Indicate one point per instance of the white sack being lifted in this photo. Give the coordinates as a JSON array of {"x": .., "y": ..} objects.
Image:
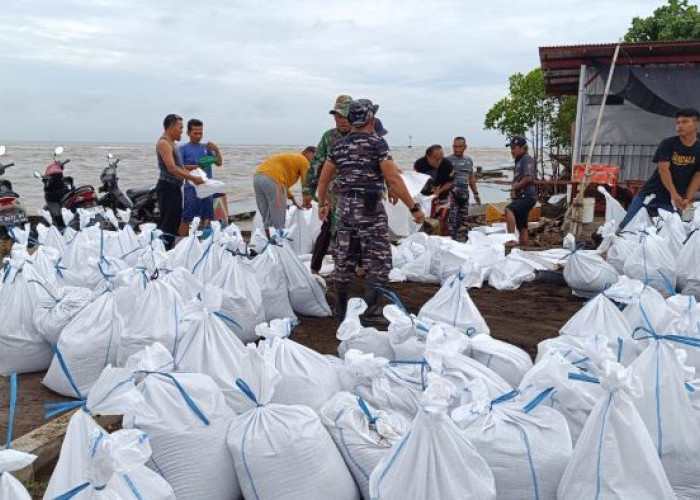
[
  {"x": 186, "y": 419},
  {"x": 526, "y": 444},
  {"x": 363, "y": 434},
  {"x": 434, "y": 460},
  {"x": 284, "y": 452},
  {"x": 587, "y": 273},
  {"x": 307, "y": 377},
  {"x": 613, "y": 433},
  {"x": 273, "y": 283},
  {"x": 453, "y": 306},
  {"x": 303, "y": 227}
]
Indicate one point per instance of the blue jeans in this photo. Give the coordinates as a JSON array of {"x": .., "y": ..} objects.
[{"x": 638, "y": 203}]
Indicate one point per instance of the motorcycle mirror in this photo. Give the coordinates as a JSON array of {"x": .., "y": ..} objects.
[
  {"x": 37, "y": 175},
  {"x": 110, "y": 156},
  {"x": 58, "y": 150},
  {"x": 2, "y": 150}
]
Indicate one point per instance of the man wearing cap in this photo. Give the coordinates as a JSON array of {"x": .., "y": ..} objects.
[
  {"x": 464, "y": 179},
  {"x": 361, "y": 164},
  {"x": 523, "y": 191},
  {"x": 329, "y": 137}
]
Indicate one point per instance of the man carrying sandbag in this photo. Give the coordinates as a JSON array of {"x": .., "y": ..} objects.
[
  {"x": 362, "y": 163},
  {"x": 677, "y": 175},
  {"x": 273, "y": 182}
]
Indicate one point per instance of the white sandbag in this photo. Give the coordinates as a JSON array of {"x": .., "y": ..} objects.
[
  {"x": 353, "y": 335},
  {"x": 22, "y": 347},
  {"x": 406, "y": 333},
  {"x": 189, "y": 250},
  {"x": 306, "y": 295},
  {"x": 45, "y": 260},
  {"x": 453, "y": 306},
  {"x": 209, "y": 187},
  {"x": 273, "y": 284},
  {"x": 184, "y": 282},
  {"x": 85, "y": 347},
  {"x": 668, "y": 413},
  {"x": 101, "y": 464},
  {"x": 397, "y": 387},
  {"x": 358, "y": 369},
  {"x": 303, "y": 226},
  {"x": 187, "y": 419},
  {"x": 587, "y": 273},
  {"x": 10, "y": 487},
  {"x": 154, "y": 318},
  {"x": 688, "y": 263},
  {"x": 613, "y": 209},
  {"x": 601, "y": 317},
  {"x": 613, "y": 433},
  {"x": 672, "y": 230},
  {"x": 283, "y": 452},
  {"x": 526, "y": 446},
  {"x": 443, "y": 352},
  {"x": 207, "y": 346},
  {"x": 573, "y": 399},
  {"x": 243, "y": 298},
  {"x": 509, "y": 361},
  {"x": 419, "y": 270},
  {"x": 363, "y": 434},
  {"x": 51, "y": 236},
  {"x": 510, "y": 273},
  {"x": 307, "y": 378},
  {"x": 654, "y": 264},
  {"x": 433, "y": 460},
  {"x": 51, "y": 316},
  {"x": 649, "y": 310},
  {"x": 620, "y": 250},
  {"x": 625, "y": 291},
  {"x": 452, "y": 258}
]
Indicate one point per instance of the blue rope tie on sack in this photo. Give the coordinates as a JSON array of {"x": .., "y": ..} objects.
[
  {"x": 583, "y": 378},
  {"x": 183, "y": 392},
  {"x": 228, "y": 319},
  {"x": 13, "y": 408},
  {"x": 245, "y": 389},
  {"x": 505, "y": 397},
  {"x": 365, "y": 409},
  {"x": 423, "y": 364},
  {"x": 393, "y": 297},
  {"x": 539, "y": 399}
]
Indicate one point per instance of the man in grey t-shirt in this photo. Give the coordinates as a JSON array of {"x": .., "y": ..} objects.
[
  {"x": 464, "y": 179},
  {"x": 523, "y": 191}
]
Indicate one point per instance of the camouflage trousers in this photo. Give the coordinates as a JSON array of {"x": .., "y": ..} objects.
[
  {"x": 363, "y": 231},
  {"x": 457, "y": 219}
]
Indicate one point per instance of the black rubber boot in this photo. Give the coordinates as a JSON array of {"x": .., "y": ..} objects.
[
  {"x": 341, "y": 300},
  {"x": 372, "y": 297}
]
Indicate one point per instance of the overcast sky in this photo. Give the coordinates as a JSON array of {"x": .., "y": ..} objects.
[{"x": 267, "y": 72}]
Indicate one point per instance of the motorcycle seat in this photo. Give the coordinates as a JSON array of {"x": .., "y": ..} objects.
[
  {"x": 137, "y": 193},
  {"x": 78, "y": 190}
]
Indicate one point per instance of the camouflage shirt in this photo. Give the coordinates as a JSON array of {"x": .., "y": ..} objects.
[
  {"x": 358, "y": 158},
  {"x": 328, "y": 138}
]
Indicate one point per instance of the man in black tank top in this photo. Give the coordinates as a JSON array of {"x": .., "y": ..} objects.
[{"x": 171, "y": 175}]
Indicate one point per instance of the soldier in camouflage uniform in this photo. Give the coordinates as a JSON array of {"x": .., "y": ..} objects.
[
  {"x": 330, "y": 137},
  {"x": 361, "y": 163}
]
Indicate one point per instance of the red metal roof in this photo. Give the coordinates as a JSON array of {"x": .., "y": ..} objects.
[{"x": 562, "y": 64}]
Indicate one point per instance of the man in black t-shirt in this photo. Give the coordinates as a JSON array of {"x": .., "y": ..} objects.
[
  {"x": 677, "y": 176},
  {"x": 440, "y": 170}
]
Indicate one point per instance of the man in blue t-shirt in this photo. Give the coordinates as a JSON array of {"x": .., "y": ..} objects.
[
  {"x": 191, "y": 154},
  {"x": 677, "y": 177}
]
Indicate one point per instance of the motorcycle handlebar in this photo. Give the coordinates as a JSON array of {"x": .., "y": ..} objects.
[
  {"x": 7, "y": 166},
  {"x": 63, "y": 163}
]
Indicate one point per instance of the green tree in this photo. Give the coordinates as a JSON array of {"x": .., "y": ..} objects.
[{"x": 676, "y": 20}]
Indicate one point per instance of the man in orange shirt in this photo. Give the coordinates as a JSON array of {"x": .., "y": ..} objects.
[{"x": 273, "y": 181}]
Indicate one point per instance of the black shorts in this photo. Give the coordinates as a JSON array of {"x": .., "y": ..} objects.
[
  {"x": 170, "y": 207},
  {"x": 521, "y": 207}
]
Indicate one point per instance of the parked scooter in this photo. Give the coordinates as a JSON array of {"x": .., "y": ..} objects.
[
  {"x": 142, "y": 202},
  {"x": 12, "y": 213},
  {"x": 60, "y": 192}
]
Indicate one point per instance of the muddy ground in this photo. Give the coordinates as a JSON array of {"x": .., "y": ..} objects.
[{"x": 523, "y": 317}]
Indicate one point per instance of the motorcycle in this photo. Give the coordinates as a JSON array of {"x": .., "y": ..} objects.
[
  {"x": 12, "y": 213},
  {"x": 60, "y": 191},
  {"x": 142, "y": 202}
]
